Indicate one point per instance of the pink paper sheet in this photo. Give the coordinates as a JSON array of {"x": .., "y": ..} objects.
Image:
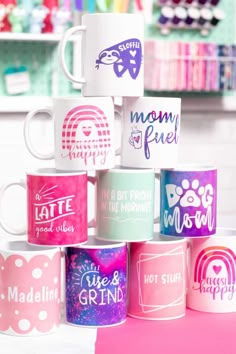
[{"x": 197, "y": 332}]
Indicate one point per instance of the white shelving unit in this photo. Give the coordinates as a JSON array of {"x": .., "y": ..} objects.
[
  {"x": 27, "y": 103},
  {"x": 27, "y": 37}
]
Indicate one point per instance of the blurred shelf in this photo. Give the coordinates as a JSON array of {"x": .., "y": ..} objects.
[
  {"x": 32, "y": 37},
  {"x": 24, "y": 104}
]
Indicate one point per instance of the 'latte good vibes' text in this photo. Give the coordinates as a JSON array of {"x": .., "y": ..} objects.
[{"x": 46, "y": 212}]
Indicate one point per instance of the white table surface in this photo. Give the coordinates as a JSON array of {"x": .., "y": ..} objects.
[{"x": 66, "y": 340}]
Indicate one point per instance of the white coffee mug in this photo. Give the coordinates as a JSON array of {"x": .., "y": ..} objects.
[
  {"x": 111, "y": 54},
  {"x": 83, "y": 130},
  {"x": 150, "y": 132}
]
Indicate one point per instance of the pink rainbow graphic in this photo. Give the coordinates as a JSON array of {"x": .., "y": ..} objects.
[
  {"x": 210, "y": 254},
  {"x": 85, "y": 114}
]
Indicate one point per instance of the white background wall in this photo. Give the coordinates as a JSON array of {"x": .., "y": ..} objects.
[
  {"x": 205, "y": 138},
  {"x": 211, "y": 138},
  {"x": 15, "y": 160}
]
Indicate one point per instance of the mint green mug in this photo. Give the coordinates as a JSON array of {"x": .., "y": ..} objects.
[{"x": 125, "y": 204}]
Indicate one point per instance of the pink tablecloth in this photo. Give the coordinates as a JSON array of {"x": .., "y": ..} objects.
[{"x": 197, "y": 332}]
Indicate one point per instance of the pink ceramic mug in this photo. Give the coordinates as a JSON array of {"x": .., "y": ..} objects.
[
  {"x": 29, "y": 289},
  {"x": 157, "y": 278},
  {"x": 56, "y": 207}
]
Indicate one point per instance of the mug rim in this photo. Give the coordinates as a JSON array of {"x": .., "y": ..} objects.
[
  {"x": 190, "y": 168},
  {"x": 165, "y": 239},
  {"x": 82, "y": 98},
  {"x": 150, "y": 98},
  {"x": 56, "y": 173},
  {"x": 123, "y": 169},
  {"x": 101, "y": 244},
  {"x": 5, "y": 247}
]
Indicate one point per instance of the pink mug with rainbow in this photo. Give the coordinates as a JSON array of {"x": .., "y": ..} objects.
[
  {"x": 157, "y": 278},
  {"x": 56, "y": 207},
  {"x": 29, "y": 289}
]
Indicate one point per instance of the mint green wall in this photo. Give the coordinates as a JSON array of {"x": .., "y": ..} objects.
[{"x": 41, "y": 60}]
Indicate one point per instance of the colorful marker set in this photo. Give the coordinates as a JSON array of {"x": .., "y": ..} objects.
[{"x": 189, "y": 66}]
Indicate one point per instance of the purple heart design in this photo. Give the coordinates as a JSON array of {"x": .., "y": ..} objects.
[
  {"x": 217, "y": 269},
  {"x": 136, "y": 139}
]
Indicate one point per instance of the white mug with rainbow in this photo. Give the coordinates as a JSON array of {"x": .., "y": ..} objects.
[
  {"x": 212, "y": 273},
  {"x": 83, "y": 132}
]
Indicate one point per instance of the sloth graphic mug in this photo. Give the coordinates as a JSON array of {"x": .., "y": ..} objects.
[{"x": 111, "y": 54}]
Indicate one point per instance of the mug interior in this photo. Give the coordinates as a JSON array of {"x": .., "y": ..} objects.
[
  {"x": 93, "y": 242},
  {"x": 154, "y": 99},
  {"x": 161, "y": 238},
  {"x": 123, "y": 169},
  {"x": 51, "y": 171},
  {"x": 22, "y": 247},
  {"x": 80, "y": 100},
  {"x": 190, "y": 167}
]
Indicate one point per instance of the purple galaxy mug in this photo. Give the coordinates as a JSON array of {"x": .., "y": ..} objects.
[
  {"x": 96, "y": 283},
  {"x": 188, "y": 201}
]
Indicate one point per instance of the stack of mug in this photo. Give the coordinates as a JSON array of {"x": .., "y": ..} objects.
[{"x": 124, "y": 267}]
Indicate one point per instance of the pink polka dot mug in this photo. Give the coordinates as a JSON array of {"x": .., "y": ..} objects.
[{"x": 29, "y": 289}]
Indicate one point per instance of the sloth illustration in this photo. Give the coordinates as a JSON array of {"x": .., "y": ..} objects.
[
  {"x": 108, "y": 57},
  {"x": 124, "y": 56}
]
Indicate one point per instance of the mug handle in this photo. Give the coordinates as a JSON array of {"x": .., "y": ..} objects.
[
  {"x": 61, "y": 53},
  {"x": 188, "y": 259},
  {"x": 28, "y": 142},
  {"x": 93, "y": 181},
  {"x": 131, "y": 140},
  {"x": 4, "y": 225},
  {"x": 118, "y": 116},
  {"x": 157, "y": 177}
]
